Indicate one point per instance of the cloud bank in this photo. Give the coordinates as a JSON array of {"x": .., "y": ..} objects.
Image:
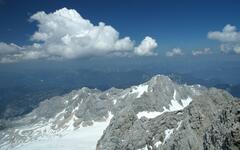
[
  {"x": 66, "y": 34},
  {"x": 174, "y": 52},
  {"x": 229, "y": 38}
]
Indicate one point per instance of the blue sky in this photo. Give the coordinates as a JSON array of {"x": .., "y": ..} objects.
[{"x": 173, "y": 24}]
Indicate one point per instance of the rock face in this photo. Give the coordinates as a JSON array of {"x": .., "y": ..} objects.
[
  {"x": 211, "y": 121},
  {"x": 224, "y": 132},
  {"x": 159, "y": 114}
]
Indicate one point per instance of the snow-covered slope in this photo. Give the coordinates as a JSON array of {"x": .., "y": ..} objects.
[
  {"x": 83, "y": 138},
  {"x": 146, "y": 116}
]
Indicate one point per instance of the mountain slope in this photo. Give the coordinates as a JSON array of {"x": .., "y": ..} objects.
[{"x": 158, "y": 114}]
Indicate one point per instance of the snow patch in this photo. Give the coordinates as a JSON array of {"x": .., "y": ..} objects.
[
  {"x": 157, "y": 144},
  {"x": 140, "y": 90},
  {"x": 124, "y": 95},
  {"x": 60, "y": 113},
  {"x": 186, "y": 102},
  {"x": 114, "y": 101},
  {"x": 175, "y": 106},
  {"x": 179, "y": 125},
  {"x": 70, "y": 123},
  {"x": 148, "y": 115},
  {"x": 75, "y": 97},
  {"x": 168, "y": 133},
  {"x": 174, "y": 94},
  {"x": 145, "y": 148}
]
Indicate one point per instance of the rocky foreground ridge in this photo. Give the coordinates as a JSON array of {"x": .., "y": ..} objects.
[{"x": 157, "y": 115}]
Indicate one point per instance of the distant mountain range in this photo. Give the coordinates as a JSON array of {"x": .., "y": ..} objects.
[{"x": 158, "y": 114}]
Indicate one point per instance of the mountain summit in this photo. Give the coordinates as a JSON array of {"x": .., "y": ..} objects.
[{"x": 158, "y": 114}]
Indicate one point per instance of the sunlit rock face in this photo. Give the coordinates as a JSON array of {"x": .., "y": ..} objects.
[{"x": 158, "y": 114}]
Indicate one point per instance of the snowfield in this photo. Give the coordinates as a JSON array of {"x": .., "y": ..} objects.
[
  {"x": 84, "y": 138},
  {"x": 140, "y": 90}
]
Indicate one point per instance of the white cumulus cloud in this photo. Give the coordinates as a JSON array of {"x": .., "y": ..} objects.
[
  {"x": 66, "y": 34},
  {"x": 146, "y": 47},
  {"x": 229, "y": 38},
  {"x": 174, "y": 52}
]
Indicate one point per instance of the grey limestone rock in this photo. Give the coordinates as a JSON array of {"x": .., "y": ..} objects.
[{"x": 157, "y": 115}]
